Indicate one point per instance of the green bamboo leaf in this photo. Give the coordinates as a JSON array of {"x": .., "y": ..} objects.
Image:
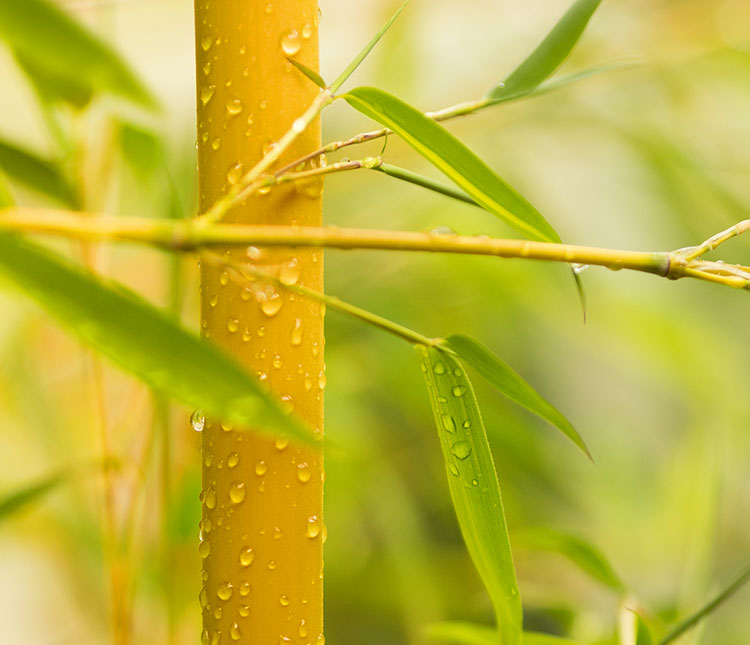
[
  {"x": 473, "y": 485},
  {"x": 36, "y": 173},
  {"x": 580, "y": 552},
  {"x": 143, "y": 340},
  {"x": 52, "y": 41},
  {"x": 549, "y": 54},
  {"x": 693, "y": 619},
  {"x": 352, "y": 67},
  {"x": 6, "y": 197},
  {"x": 310, "y": 73},
  {"x": 497, "y": 372},
  {"x": 51, "y": 88},
  {"x": 642, "y": 632},
  {"x": 454, "y": 159},
  {"x": 26, "y": 495},
  {"x": 463, "y": 633},
  {"x": 560, "y": 82}
]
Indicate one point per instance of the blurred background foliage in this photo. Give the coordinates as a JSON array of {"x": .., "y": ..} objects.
[{"x": 652, "y": 157}]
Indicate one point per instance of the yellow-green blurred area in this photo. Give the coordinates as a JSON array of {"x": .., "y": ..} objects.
[{"x": 655, "y": 156}]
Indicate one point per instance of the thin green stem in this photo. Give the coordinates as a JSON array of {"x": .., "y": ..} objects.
[
  {"x": 424, "y": 182},
  {"x": 714, "y": 241},
  {"x": 248, "y": 272},
  {"x": 692, "y": 620}
]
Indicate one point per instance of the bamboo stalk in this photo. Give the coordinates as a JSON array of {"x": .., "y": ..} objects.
[{"x": 262, "y": 499}]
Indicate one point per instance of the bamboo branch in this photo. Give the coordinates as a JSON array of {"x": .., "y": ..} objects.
[{"x": 184, "y": 235}]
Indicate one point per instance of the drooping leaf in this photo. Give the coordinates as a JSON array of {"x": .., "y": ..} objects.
[
  {"x": 52, "y": 41},
  {"x": 310, "y": 73},
  {"x": 580, "y": 552},
  {"x": 501, "y": 375},
  {"x": 352, "y": 67},
  {"x": 550, "y": 53},
  {"x": 454, "y": 159},
  {"x": 143, "y": 341},
  {"x": 36, "y": 173},
  {"x": 693, "y": 619},
  {"x": 473, "y": 485},
  {"x": 463, "y": 633}
]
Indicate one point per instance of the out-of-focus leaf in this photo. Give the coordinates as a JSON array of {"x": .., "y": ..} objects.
[
  {"x": 52, "y": 41},
  {"x": 454, "y": 159},
  {"x": 143, "y": 340},
  {"x": 497, "y": 372},
  {"x": 473, "y": 485},
  {"x": 53, "y": 88},
  {"x": 352, "y": 67},
  {"x": 549, "y": 54},
  {"x": 310, "y": 73},
  {"x": 560, "y": 82},
  {"x": 580, "y": 552},
  {"x": 6, "y": 197},
  {"x": 27, "y": 495},
  {"x": 463, "y": 633},
  {"x": 142, "y": 149},
  {"x": 711, "y": 606},
  {"x": 642, "y": 632},
  {"x": 36, "y": 173}
]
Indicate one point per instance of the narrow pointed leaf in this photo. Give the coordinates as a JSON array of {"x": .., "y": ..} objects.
[
  {"x": 473, "y": 485},
  {"x": 711, "y": 606},
  {"x": 36, "y": 173},
  {"x": 454, "y": 159},
  {"x": 464, "y": 633},
  {"x": 352, "y": 67},
  {"x": 550, "y": 53},
  {"x": 52, "y": 41},
  {"x": 24, "y": 496},
  {"x": 310, "y": 73},
  {"x": 143, "y": 340},
  {"x": 580, "y": 552},
  {"x": 497, "y": 372}
]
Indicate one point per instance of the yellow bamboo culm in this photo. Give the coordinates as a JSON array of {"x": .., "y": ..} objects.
[{"x": 262, "y": 529}]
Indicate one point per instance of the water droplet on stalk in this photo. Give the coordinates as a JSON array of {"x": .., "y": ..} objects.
[
  {"x": 290, "y": 42},
  {"x": 197, "y": 420},
  {"x": 247, "y": 555},
  {"x": 207, "y": 93},
  {"x": 313, "y": 527},
  {"x": 224, "y": 591},
  {"x": 237, "y": 492},
  {"x": 234, "y": 106},
  {"x": 303, "y": 472},
  {"x": 289, "y": 272}
]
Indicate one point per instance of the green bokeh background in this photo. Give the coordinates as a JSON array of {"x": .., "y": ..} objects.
[{"x": 654, "y": 157}]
